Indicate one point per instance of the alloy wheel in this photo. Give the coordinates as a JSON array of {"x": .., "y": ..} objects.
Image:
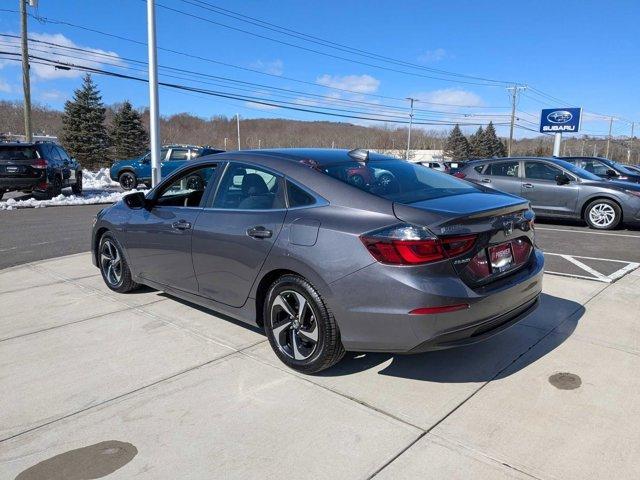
[
  {"x": 602, "y": 215},
  {"x": 294, "y": 325},
  {"x": 111, "y": 263}
]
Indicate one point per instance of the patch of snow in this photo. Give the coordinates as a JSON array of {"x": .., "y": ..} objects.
[
  {"x": 99, "y": 180},
  {"x": 97, "y": 188}
]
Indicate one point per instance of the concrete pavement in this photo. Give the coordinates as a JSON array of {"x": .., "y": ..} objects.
[{"x": 146, "y": 386}]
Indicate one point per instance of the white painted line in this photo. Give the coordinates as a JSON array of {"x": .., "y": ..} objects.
[
  {"x": 600, "y": 277},
  {"x": 562, "y": 274},
  {"x": 623, "y": 271},
  {"x": 587, "y": 231},
  {"x": 7, "y": 249},
  {"x": 584, "y": 267},
  {"x": 589, "y": 258}
]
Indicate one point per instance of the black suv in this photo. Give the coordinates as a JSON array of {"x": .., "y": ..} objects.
[{"x": 40, "y": 168}]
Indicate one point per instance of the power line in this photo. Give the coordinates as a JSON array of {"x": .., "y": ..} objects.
[
  {"x": 327, "y": 43},
  {"x": 246, "y": 98},
  {"x": 318, "y": 52}
]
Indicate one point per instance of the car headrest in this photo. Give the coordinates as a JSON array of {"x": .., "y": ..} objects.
[{"x": 254, "y": 184}]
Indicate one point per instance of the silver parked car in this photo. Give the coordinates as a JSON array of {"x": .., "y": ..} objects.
[
  {"x": 404, "y": 261},
  {"x": 559, "y": 189}
]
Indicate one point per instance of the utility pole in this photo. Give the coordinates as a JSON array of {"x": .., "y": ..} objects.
[
  {"x": 225, "y": 142},
  {"x": 26, "y": 82},
  {"x": 582, "y": 149},
  {"x": 514, "y": 98},
  {"x": 630, "y": 143},
  {"x": 410, "y": 125},
  {"x": 259, "y": 144},
  {"x": 238, "y": 125},
  {"x": 154, "y": 112},
  {"x": 609, "y": 137}
]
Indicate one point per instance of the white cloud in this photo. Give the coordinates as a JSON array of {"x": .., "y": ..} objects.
[
  {"x": 273, "y": 67},
  {"x": 260, "y": 106},
  {"x": 93, "y": 57},
  {"x": 451, "y": 97},
  {"x": 5, "y": 87},
  {"x": 51, "y": 95},
  {"x": 354, "y": 83},
  {"x": 432, "y": 56}
]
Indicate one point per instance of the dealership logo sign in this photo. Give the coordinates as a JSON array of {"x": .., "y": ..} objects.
[
  {"x": 559, "y": 116},
  {"x": 558, "y": 120}
]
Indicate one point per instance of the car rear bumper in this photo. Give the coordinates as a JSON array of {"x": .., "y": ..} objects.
[
  {"x": 372, "y": 306},
  {"x": 20, "y": 183}
]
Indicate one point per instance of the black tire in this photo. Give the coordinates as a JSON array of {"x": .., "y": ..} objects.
[
  {"x": 128, "y": 180},
  {"x": 315, "y": 320},
  {"x": 118, "y": 276},
  {"x": 77, "y": 187},
  {"x": 357, "y": 180},
  {"x": 54, "y": 189},
  {"x": 603, "y": 214}
]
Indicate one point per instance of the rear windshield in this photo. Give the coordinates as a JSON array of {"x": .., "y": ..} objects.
[
  {"x": 398, "y": 181},
  {"x": 18, "y": 153}
]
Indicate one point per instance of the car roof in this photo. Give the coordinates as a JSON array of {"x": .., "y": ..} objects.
[
  {"x": 507, "y": 159},
  {"x": 322, "y": 156}
]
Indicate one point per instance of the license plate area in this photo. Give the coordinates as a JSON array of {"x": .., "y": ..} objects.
[{"x": 501, "y": 257}]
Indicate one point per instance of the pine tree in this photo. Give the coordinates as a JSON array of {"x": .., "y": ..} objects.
[
  {"x": 84, "y": 134},
  {"x": 128, "y": 136},
  {"x": 457, "y": 147},
  {"x": 492, "y": 143},
  {"x": 477, "y": 146}
]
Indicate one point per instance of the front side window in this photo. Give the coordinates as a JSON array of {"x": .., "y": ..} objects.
[
  {"x": 503, "y": 169},
  {"x": 179, "y": 154},
  {"x": 246, "y": 187},
  {"x": 188, "y": 189},
  {"x": 541, "y": 171},
  {"x": 594, "y": 166}
]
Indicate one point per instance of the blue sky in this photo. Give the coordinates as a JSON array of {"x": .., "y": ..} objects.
[{"x": 584, "y": 53}]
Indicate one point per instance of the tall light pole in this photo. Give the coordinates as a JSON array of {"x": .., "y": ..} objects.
[
  {"x": 630, "y": 143},
  {"x": 410, "y": 125},
  {"x": 238, "y": 125},
  {"x": 154, "y": 120},
  {"x": 514, "y": 97},
  {"x": 26, "y": 82},
  {"x": 609, "y": 136}
]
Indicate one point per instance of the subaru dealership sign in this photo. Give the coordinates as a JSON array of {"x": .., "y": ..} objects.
[{"x": 558, "y": 120}]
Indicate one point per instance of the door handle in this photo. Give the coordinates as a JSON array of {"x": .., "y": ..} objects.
[
  {"x": 181, "y": 225},
  {"x": 486, "y": 180},
  {"x": 527, "y": 185},
  {"x": 259, "y": 232}
]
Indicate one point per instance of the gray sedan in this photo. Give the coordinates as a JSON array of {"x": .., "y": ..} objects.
[
  {"x": 406, "y": 260},
  {"x": 560, "y": 189}
]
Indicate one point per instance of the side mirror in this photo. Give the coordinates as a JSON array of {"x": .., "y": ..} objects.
[
  {"x": 146, "y": 159},
  {"x": 562, "y": 179},
  {"x": 611, "y": 173},
  {"x": 135, "y": 200}
]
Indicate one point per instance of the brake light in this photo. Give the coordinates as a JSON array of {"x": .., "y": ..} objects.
[
  {"x": 459, "y": 175},
  {"x": 407, "y": 244},
  {"x": 40, "y": 163}
]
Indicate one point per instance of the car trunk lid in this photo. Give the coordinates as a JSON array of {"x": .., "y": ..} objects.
[{"x": 503, "y": 225}]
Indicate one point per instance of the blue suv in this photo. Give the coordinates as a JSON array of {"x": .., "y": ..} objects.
[{"x": 129, "y": 173}]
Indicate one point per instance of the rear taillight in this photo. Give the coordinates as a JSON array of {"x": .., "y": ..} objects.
[
  {"x": 39, "y": 163},
  {"x": 459, "y": 175},
  {"x": 407, "y": 244}
]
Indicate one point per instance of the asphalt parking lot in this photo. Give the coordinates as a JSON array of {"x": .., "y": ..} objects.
[
  {"x": 571, "y": 249},
  {"x": 146, "y": 386}
]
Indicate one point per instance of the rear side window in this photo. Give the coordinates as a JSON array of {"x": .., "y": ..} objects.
[
  {"x": 479, "y": 168},
  {"x": 18, "y": 153},
  {"x": 503, "y": 169},
  {"x": 298, "y": 197},
  {"x": 398, "y": 180}
]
